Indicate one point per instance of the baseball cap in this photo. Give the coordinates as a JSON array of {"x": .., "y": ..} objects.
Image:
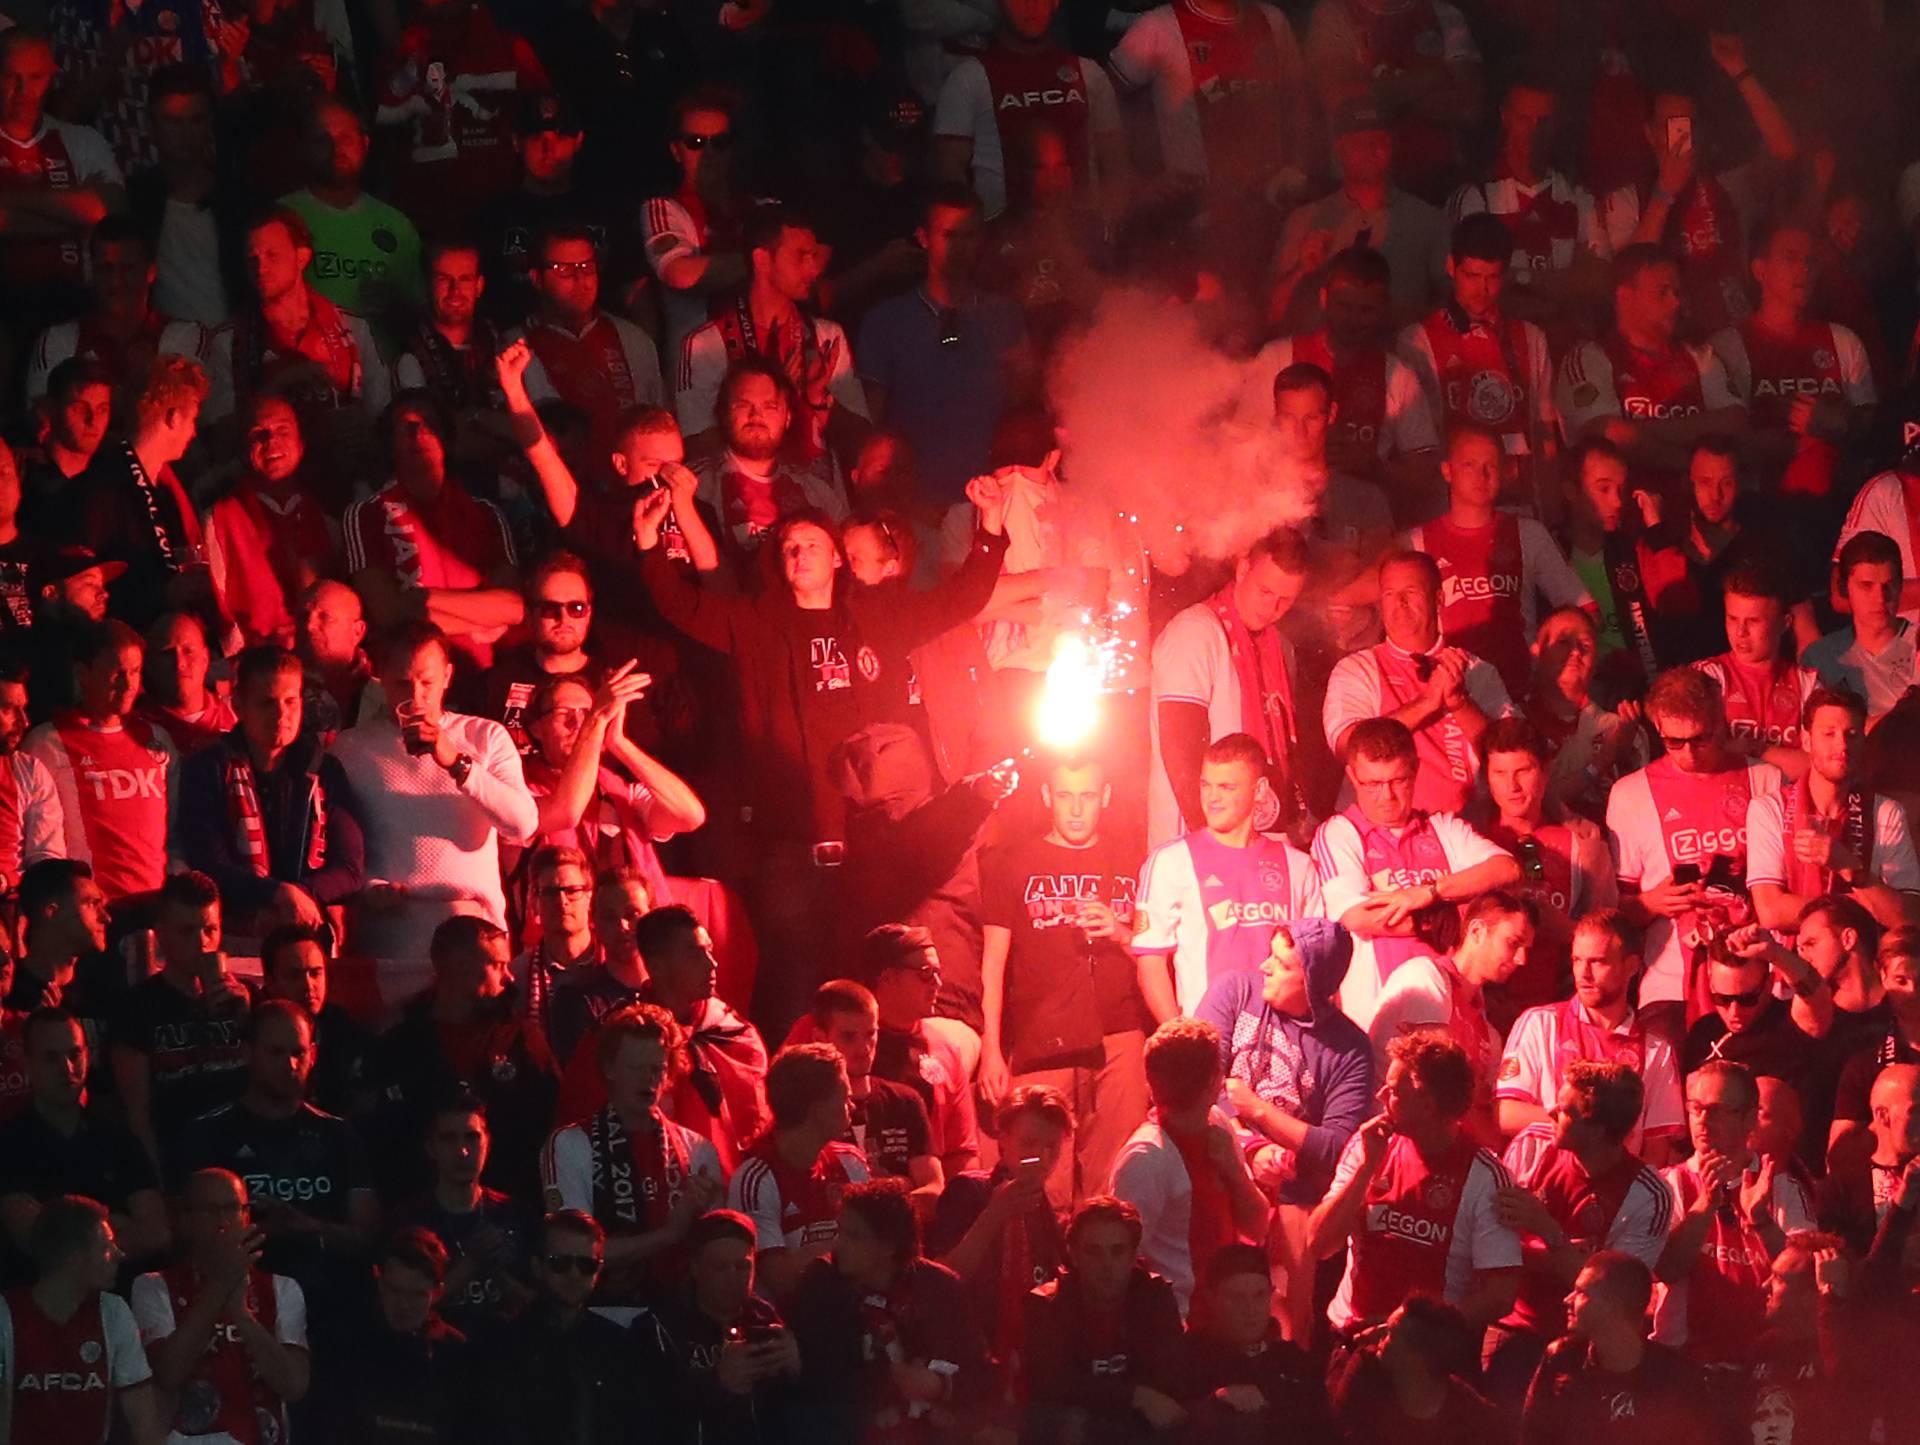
[
  {"x": 895, "y": 118},
  {"x": 65, "y": 562},
  {"x": 1357, "y": 114},
  {"x": 547, "y": 111}
]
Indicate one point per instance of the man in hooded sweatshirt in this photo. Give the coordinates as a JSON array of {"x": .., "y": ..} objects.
[{"x": 1299, "y": 1079}]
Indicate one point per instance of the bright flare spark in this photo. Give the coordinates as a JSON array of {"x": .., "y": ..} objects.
[{"x": 1069, "y": 707}]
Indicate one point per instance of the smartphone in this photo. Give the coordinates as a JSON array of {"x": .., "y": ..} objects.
[
  {"x": 1686, "y": 873},
  {"x": 1679, "y": 135}
]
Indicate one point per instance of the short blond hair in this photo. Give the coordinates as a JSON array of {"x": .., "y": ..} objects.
[{"x": 172, "y": 383}]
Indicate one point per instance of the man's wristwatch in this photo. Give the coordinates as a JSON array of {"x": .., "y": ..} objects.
[{"x": 460, "y": 769}]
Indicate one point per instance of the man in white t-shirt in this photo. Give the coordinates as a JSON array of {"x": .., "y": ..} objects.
[
  {"x": 216, "y": 1318},
  {"x": 70, "y": 1353},
  {"x": 1679, "y": 829},
  {"x": 996, "y": 104},
  {"x": 1876, "y": 655},
  {"x": 1383, "y": 862},
  {"x": 1829, "y": 832},
  {"x": 1222, "y": 666},
  {"x": 1450, "y": 993},
  {"x": 1208, "y": 903},
  {"x": 1444, "y": 695}
]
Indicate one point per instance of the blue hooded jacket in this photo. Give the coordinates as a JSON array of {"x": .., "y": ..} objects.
[{"x": 1335, "y": 1086}]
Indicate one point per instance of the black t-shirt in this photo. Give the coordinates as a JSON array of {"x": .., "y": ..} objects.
[
  {"x": 1772, "y": 1045},
  {"x": 493, "y": 1292},
  {"x": 1063, "y": 990},
  {"x": 17, "y": 559},
  {"x": 1572, "y": 1399},
  {"x": 1872, "y": 1050},
  {"x": 195, "y": 1048},
  {"x": 101, "y": 1160},
  {"x": 508, "y": 689},
  {"x": 890, "y": 1126},
  {"x": 341, "y": 1048},
  {"x": 312, "y": 1161},
  {"x": 585, "y": 995}
]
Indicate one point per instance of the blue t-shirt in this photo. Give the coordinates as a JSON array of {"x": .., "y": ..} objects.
[{"x": 946, "y": 400}]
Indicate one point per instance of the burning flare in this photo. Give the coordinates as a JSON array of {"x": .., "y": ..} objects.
[{"x": 1069, "y": 707}]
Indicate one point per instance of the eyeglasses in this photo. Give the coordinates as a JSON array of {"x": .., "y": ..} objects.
[
  {"x": 554, "y": 611},
  {"x": 1676, "y": 744},
  {"x": 1752, "y": 998},
  {"x": 570, "y": 714},
  {"x": 564, "y": 890},
  {"x": 578, "y": 1263},
  {"x": 722, "y": 140},
  {"x": 572, "y": 268}
]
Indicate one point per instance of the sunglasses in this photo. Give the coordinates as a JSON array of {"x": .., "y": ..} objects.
[
  {"x": 1753, "y": 998},
  {"x": 554, "y": 611},
  {"x": 1690, "y": 741},
  {"x": 722, "y": 141},
  {"x": 577, "y": 1263}
]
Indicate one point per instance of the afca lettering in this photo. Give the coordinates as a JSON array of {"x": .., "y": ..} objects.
[
  {"x": 120, "y": 784},
  {"x": 61, "y": 1382},
  {"x": 1689, "y": 843},
  {"x": 1796, "y": 386},
  {"x": 1060, "y": 95},
  {"x": 288, "y": 1186},
  {"x": 1404, "y": 1224}
]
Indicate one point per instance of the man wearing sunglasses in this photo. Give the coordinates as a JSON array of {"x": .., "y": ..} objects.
[
  {"x": 599, "y": 362},
  {"x": 1752, "y": 1025},
  {"x": 1679, "y": 829},
  {"x": 692, "y": 236},
  {"x": 559, "y": 609},
  {"x": 560, "y": 1361}
]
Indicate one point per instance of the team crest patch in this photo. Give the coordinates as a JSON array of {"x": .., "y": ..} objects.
[
  {"x": 1439, "y": 1193},
  {"x": 869, "y": 663},
  {"x": 1509, "y": 1068},
  {"x": 1139, "y": 918},
  {"x": 1202, "y": 52},
  {"x": 1489, "y": 397},
  {"x": 505, "y": 1070},
  {"x": 1585, "y": 394},
  {"x": 1823, "y": 359},
  {"x": 90, "y": 1352},
  {"x": 1069, "y": 74}
]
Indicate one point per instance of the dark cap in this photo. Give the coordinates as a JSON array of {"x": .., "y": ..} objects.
[
  {"x": 1358, "y": 114},
  {"x": 65, "y": 562},
  {"x": 546, "y": 111}
]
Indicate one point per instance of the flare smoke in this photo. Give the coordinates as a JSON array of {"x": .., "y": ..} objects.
[{"x": 1165, "y": 427}]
